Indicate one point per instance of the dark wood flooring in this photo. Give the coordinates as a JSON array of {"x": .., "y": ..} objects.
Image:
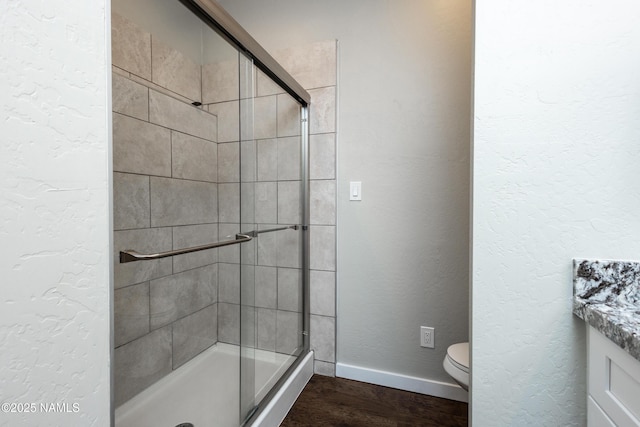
[{"x": 338, "y": 402}]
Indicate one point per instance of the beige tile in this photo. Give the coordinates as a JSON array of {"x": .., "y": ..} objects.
[
  {"x": 130, "y": 47},
  {"x": 175, "y": 71},
  {"x": 119, "y": 71},
  {"x": 148, "y": 240},
  {"x": 220, "y": 82},
  {"x": 193, "y": 158},
  {"x": 179, "y": 295},
  {"x": 266, "y": 202},
  {"x": 179, "y": 202},
  {"x": 131, "y": 313},
  {"x": 322, "y": 203},
  {"x": 265, "y": 117},
  {"x": 322, "y": 156},
  {"x": 194, "y": 334},
  {"x": 267, "y": 154},
  {"x": 247, "y": 119},
  {"x": 228, "y": 114},
  {"x": 169, "y": 112},
  {"x": 160, "y": 89},
  {"x": 140, "y": 147},
  {"x": 289, "y": 206},
  {"x": 323, "y": 110},
  {"x": 289, "y": 158},
  {"x": 266, "y": 86},
  {"x": 130, "y": 98},
  {"x": 194, "y": 235},
  {"x": 140, "y": 363},
  {"x": 131, "y": 207},
  {"x": 323, "y": 248},
  {"x": 248, "y": 163},
  {"x": 288, "y": 116},
  {"x": 312, "y": 65},
  {"x": 247, "y": 78}
]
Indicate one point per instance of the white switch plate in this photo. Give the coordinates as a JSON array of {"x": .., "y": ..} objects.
[{"x": 355, "y": 190}]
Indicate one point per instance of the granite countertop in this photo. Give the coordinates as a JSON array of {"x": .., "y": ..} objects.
[{"x": 606, "y": 295}]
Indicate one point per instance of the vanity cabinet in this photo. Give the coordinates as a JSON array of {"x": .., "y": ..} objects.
[{"x": 613, "y": 384}]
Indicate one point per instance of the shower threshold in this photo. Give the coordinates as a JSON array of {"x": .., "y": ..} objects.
[{"x": 204, "y": 392}]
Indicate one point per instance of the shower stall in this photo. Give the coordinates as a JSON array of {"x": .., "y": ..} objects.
[{"x": 210, "y": 217}]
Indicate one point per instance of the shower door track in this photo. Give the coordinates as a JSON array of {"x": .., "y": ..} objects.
[{"x": 218, "y": 18}]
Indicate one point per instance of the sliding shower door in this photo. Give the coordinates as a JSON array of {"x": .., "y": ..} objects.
[
  {"x": 272, "y": 209},
  {"x": 209, "y": 196}
]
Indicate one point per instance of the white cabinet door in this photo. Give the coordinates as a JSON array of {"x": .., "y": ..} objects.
[
  {"x": 614, "y": 381},
  {"x": 596, "y": 416}
]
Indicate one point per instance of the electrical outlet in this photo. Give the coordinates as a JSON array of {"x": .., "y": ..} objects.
[{"x": 427, "y": 337}]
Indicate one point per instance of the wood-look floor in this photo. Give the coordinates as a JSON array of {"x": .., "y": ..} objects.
[{"x": 338, "y": 402}]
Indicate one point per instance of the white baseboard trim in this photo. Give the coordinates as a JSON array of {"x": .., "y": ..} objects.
[
  {"x": 402, "y": 382},
  {"x": 278, "y": 408}
]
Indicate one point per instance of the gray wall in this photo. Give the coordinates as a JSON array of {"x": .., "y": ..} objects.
[{"x": 403, "y": 123}]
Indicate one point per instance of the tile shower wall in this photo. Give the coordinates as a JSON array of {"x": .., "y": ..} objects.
[
  {"x": 270, "y": 181},
  {"x": 314, "y": 66},
  {"x": 166, "y": 196},
  {"x": 177, "y": 184},
  {"x": 274, "y": 182}
]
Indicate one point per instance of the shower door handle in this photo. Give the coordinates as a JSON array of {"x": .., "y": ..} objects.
[
  {"x": 132, "y": 256},
  {"x": 254, "y": 233}
]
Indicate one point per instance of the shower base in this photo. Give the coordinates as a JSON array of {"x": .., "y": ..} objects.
[{"x": 203, "y": 392}]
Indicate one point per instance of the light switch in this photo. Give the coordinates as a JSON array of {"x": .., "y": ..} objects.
[{"x": 355, "y": 190}]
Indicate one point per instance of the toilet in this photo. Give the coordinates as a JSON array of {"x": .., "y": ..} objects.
[{"x": 456, "y": 363}]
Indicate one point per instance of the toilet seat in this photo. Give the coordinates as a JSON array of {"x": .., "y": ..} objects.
[
  {"x": 458, "y": 355},
  {"x": 456, "y": 363}
]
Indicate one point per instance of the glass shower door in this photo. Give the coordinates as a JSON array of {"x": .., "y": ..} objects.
[
  {"x": 248, "y": 252},
  {"x": 272, "y": 211}
]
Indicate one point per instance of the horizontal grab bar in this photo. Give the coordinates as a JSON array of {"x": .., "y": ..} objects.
[
  {"x": 255, "y": 233},
  {"x": 131, "y": 255}
]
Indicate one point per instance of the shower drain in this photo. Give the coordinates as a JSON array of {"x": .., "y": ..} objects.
[{"x": 185, "y": 425}]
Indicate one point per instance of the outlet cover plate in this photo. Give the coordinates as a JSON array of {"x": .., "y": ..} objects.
[{"x": 427, "y": 337}]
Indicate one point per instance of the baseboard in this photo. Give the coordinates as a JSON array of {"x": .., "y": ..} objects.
[
  {"x": 278, "y": 408},
  {"x": 402, "y": 382}
]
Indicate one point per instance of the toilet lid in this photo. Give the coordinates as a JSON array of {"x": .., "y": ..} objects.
[{"x": 459, "y": 355}]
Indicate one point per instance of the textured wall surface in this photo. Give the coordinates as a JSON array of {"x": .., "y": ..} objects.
[
  {"x": 403, "y": 130},
  {"x": 54, "y": 212},
  {"x": 556, "y": 157}
]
